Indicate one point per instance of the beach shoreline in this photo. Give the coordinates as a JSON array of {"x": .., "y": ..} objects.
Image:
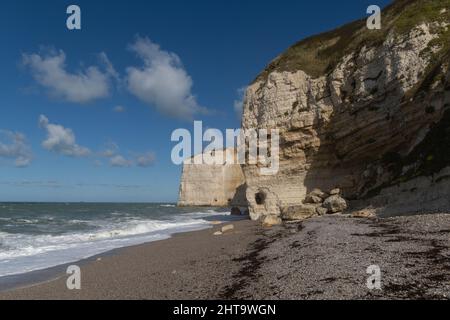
[
  {"x": 321, "y": 258},
  {"x": 53, "y": 273}
]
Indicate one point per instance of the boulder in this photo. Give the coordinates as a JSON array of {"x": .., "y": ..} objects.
[
  {"x": 336, "y": 191},
  {"x": 321, "y": 211},
  {"x": 335, "y": 204},
  {"x": 271, "y": 220},
  {"x": 298, "y": 213},
  {"x": 319, "y": 193},
  {"x": 313, "y": 199},
  {"x": 235, "y": 211}
]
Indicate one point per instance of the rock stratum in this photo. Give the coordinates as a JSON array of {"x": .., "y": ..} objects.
[{"x": 365, "y": 111}]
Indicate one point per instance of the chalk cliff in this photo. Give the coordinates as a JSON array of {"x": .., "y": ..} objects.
[
  {"x": 219, "y": 185},
  {"x": 366, "y": 111}
]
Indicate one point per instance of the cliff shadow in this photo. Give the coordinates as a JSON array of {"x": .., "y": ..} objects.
[{"x": 240, "y": 197}]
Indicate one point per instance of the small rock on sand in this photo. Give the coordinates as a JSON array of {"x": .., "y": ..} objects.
[
  {"x": 227, "y": 228},
  {"x": 218, "y": 233},
  {"x": 298, "y": 213},
  {"x": 271, "y": 220},
  {"x": 364, "y": 214}
]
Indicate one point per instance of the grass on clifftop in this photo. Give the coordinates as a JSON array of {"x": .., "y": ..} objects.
[{"x": 318, "y": 55}]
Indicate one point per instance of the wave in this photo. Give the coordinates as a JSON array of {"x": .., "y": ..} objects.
[{"x": 20, "y": 253}]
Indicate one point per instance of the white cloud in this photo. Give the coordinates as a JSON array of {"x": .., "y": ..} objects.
[
  {"x": 110, "y": 150},
  {"x": 120, "y": 161},
  {"x": 146, "y": 160},
  {"x": 13, "y": 145},
  {"x": 110, "y": 70},
  {"x": 61, "y": 140},
  {"x": 162, "y": 81},
  {"x": 50, "y": 72},
  {"x": 119, "y": 109}
]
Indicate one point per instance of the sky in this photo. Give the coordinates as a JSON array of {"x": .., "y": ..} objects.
[{"x": 87, "y": 115}]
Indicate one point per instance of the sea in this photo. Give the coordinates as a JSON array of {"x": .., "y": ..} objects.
[{"x": 36, "y": 236}]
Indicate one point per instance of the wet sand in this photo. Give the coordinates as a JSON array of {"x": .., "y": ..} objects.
[{"x": 322, "y": 258}]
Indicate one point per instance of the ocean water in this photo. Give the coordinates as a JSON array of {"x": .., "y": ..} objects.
[{"x": 36, "y": 236}]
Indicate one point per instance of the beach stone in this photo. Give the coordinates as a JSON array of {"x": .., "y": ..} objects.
[
  {"x": 313, "y": 199},
  {"x": 336, "y": 191},
  {"x": 218, "y": 233},
  {"x": 296, "y": 213},
  {"x": 235, "y": 211},
  {"x": 321, "y": 211},
  {"x": 335, "y": 204},
  {"x": 271, "y": 220},
  {"x": 227, "y": 228}
]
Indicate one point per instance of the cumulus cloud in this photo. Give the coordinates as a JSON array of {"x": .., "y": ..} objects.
[
  {"x": 61, "y": 140},
  {"x": 120, "y": 161},
  {"x": 116, "y": 159},
  {"x": 146, "y": 160},
  {"x": 162, "y": 81},
  {"x": 13, "y": 145},
  {"x": 50, "y": 71}
]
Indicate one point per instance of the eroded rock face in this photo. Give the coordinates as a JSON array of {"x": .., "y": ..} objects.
[
  {"x": 218, "y": 185},
  {"x": 361, "y": 127}
]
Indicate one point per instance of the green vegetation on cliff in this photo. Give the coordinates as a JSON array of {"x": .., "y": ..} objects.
[{"x": 318, "y": 55}]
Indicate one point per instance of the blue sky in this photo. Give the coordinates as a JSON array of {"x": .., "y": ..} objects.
[{"x": 61, "y": 135}]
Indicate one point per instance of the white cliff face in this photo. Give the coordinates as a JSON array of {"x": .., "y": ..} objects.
[
  {"x": 218, "y": 185},
  {"x": 339, "y": 130}
]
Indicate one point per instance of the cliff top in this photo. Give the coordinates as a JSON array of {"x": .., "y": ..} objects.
[{"x": 318, "y": 55}]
